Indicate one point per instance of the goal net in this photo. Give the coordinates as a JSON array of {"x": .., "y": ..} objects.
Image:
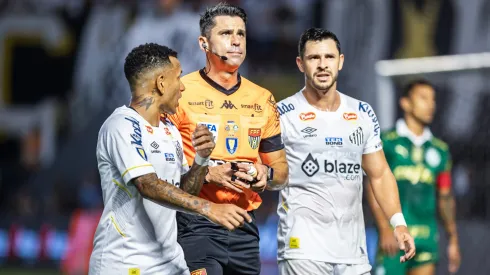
[{"x": 462, "y": 118}]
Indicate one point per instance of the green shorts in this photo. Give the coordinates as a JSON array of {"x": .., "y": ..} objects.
[{"x": 427, "y": 253}]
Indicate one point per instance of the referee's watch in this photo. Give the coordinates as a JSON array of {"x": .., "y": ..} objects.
[{"x": 270, "y": 173}]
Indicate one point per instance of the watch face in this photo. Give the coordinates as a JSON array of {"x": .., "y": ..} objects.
[{"x": 270, "y": 174}]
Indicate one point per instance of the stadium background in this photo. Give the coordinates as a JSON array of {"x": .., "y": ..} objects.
[{"x": 61, "y": 76}]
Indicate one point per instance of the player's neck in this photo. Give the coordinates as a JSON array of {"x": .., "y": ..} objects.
[
  {"x": 414, "y": 126},
  {"x": 146, "y": 107},
  {"x": 327, "y": 101},
  {"x": 223, "y": 78}
]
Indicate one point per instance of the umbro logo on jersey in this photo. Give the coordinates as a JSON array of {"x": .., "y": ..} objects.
[
  {"x": 227, "y": 104},
  {"x": 357, "y": 137},
  {"x": 310, "y": 166},
  {"x": 309, "y": 131},
  {"x": 155, "y": 146}
]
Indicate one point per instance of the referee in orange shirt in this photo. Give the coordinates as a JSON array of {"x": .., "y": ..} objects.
[{"x": 249, "y": 156}]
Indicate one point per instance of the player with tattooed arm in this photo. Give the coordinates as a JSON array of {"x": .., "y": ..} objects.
[{"x": 145, "y": 177}]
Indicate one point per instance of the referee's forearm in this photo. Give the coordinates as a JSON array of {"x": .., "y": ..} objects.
[{"x": 385, "y": 191}]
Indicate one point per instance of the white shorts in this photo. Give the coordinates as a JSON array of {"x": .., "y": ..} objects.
[{"x": 306, "y": 267}]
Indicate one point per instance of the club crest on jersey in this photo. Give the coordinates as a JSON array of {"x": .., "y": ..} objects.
[
  {"x": 307, "y": 116},
  {"x": 231, "y": 128},
  {"x": 433, "y": 157},
  {"x": 254, "y": 137},
  {"x": 350, "y": 116},
  {"x": 201, "y": 271},
  {"x": 357, "y": 137},
  {"x": 136, "y": 137},
  {"x": 231, "y": 145}
]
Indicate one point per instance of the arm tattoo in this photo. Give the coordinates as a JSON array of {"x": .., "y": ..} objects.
[
  {"x": 145, "y": 102},
  {"x": 164, "y": 193},
  {"x": 448, "y": 213},
  {"x": 192, "y": 181}
]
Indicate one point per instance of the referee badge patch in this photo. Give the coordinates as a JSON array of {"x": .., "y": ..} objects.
[
  {"x": 134, "y": 271},
  {"x": 254, "y": 137},
  {"x": 231, "y": 145},
  {"x": 201, "y": 271}
]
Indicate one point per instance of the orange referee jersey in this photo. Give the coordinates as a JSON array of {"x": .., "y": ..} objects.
[{"x": 244, "y": 121}]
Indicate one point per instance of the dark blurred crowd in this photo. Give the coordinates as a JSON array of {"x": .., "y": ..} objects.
[{"x": 77, "y": 63}]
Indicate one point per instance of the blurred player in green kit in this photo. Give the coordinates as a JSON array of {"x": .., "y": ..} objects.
[{"x": 421, "y": 164}]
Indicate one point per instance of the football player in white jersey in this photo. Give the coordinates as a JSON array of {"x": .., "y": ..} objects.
[
  {"x": 145, "y": 176},
  {"x": 330, "y": 139}
]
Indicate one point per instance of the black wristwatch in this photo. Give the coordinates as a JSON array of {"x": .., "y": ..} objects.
[{"x": 270, "y": 173}]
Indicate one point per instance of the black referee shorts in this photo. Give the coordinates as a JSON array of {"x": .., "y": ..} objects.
[{"x": 213, "y": 250}]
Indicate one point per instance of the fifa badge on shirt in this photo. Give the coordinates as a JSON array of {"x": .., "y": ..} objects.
[{"x": 254, "y": 137}]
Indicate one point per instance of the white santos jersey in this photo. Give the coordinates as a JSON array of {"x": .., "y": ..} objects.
[
  {"x": 135, "y": 235},
  {"x": 320, "y": 210}
]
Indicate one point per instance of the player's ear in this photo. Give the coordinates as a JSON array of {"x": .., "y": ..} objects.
[
  {"x": 405, "y": 104},
  {"x": 341, "y": 61},
  {"x": 299, "y": 62},
  {"x": 160, "y": 83},
  {"x": 203, "y": 43}
]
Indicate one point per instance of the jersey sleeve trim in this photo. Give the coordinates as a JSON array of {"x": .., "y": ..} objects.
[
  {"x": 271, "y": 144},
  {"x": 137, "y": 171},
  {"x": 373, "y": 149},
  {"x": 122, "y": 187}
]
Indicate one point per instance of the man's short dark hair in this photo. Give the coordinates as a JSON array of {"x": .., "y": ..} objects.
[
  {"x": 316, "y": 34},
  {"x": 207, "y": 21},
  {"x": 145, "y": 58},
  {"x": 412, "y": 84}
]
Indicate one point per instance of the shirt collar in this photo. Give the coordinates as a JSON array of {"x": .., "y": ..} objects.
[{"x": 402, "y": 130}]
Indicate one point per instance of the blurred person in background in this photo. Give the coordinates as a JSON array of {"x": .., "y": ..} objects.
[
  {"x": 169, "y": 22},
  {"x": 421, "y": 164},
  {"x": 244, "y": 121},
  {"x": 145, "y": 176},
  {"x": 330, "y": 139}
]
